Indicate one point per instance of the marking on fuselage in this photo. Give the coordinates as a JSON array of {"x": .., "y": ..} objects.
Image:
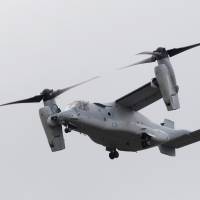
[{"x": 114, "y": 124}]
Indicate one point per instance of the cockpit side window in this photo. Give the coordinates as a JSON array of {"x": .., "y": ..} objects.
[
  {"x": 83, "y": 106},
  {"x": 78, "y": 105}
]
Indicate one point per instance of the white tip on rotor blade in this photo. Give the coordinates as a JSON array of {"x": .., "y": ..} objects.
[
  {"x": 125, "y": 67},
  {"x": 146, "y": 53}
]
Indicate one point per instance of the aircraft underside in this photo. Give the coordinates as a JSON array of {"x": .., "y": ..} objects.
[{"x": 121, "y": 140}]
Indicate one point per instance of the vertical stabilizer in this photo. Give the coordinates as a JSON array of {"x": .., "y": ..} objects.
[
  {"x": 169, "y": 151},
  {"x": 168, "y": 123}
]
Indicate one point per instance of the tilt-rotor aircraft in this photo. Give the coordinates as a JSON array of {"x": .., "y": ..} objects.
[{"x": 119, "y": 126}]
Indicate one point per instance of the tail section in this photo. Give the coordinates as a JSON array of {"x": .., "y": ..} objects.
[{"x": 181, "y": 138}]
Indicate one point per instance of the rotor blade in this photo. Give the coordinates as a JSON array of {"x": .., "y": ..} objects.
[
  {"x": 146, "y": 53},
  {"x": 34, "y": 99},
  {"x": 61, "y": 91},
  {"x": 148, "y": 60},
  {"x": 173, "y": 52}
]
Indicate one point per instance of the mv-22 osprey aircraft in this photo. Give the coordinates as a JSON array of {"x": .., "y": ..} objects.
[{"x": 119, "y": 125}]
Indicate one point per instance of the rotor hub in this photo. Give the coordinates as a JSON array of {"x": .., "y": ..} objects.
[
  {"x": 47, "y": 94},
  {"x": 160, "y": 53}
]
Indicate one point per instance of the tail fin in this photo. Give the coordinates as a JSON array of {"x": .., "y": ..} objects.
[
  {"x": 170, "y": 151},
  {"x": 168, "y": 123}
]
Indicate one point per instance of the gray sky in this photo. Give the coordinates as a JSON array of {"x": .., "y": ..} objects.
[{"x": 46, "y": 43}]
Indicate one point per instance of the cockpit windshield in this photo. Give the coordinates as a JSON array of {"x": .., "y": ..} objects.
[{"x": 81, "y": 105}]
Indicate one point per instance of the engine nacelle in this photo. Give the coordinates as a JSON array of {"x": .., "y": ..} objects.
[
  {"x": 53, "y": 131},
  {"x": 168, "y": 88}
]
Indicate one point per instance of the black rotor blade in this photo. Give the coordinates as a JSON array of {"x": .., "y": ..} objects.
[
  {"x": 61, "y": 91},
  {"x": 49, "y": 95},
  {"x": 34, "y": 99},
  {"x": 175, "y": 51}
]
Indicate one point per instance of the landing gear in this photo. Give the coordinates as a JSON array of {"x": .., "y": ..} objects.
[
  {"x": 113, "y": 153},
  {"x": 68, "y": 129},
  {"x": 145, "y": 140}
]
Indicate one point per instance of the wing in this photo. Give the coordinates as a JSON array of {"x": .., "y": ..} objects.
[
  {"x": 185, "y": 140},
  {"x": 141, "y": 97}
]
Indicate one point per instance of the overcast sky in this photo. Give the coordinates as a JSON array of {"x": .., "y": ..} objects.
[{"x": 48, "y": 43}]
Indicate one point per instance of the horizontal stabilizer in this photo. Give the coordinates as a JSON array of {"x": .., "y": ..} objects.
[{"x": 184, "y": 139}]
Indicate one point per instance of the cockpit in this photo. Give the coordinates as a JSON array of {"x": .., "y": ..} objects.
[{"x": 78, "y": 105}]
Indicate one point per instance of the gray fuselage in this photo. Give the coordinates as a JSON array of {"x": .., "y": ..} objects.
[{"x": 114, "y": 126}]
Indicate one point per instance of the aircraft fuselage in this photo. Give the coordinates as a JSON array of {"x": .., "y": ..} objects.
[{"x": 114, "y": 126}]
